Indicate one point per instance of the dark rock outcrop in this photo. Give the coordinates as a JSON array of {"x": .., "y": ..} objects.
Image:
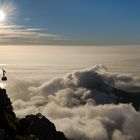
[
  {"x": 8, "y": 118},
  {"x": 40, "y": 126},
  {"x": 32, "y": 127}
]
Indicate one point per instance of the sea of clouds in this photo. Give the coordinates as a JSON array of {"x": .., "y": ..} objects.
[{"x": 79, "y": 106}]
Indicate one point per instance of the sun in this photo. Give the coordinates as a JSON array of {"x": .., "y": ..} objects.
[
  {"x": 2, "y": 16},
  {"x": 8, "y": 12}
]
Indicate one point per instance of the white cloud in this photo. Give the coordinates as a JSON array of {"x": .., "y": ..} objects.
[
  {"x": 19, "y": 34},
  {"x": 78, "y": 105}
]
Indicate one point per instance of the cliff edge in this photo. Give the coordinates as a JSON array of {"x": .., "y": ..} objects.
[{"x": 32, "y": 127}]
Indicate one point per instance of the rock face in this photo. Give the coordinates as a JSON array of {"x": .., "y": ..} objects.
[
  {"x": 40, "y": 126},
  {"x": 7, "y": 117},
  {"x": 32, "y": 127}
]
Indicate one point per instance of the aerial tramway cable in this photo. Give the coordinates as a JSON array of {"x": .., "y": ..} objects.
[{"x": 19, "y": 85}]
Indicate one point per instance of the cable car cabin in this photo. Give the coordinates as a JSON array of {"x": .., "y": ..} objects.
[{"x": 4, "y": 78}]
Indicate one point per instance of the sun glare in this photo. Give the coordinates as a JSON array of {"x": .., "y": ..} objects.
[
  {"x": 2, "y": 16},
  {"x": 7, "y": 13}
]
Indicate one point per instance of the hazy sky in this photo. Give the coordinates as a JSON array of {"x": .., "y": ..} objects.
[{"x": 83, "y": 22}]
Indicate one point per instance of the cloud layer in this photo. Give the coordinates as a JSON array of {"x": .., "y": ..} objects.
[
  {"x": 79, "y": 106},
  {"x": 25, "y": 35}
]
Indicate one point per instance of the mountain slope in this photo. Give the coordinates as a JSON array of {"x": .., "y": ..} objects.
[{"x": 32, "y": 127}]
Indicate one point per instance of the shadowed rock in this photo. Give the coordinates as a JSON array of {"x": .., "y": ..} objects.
[
  {"x": 32, "y": 127},
  {"x": 41, "y": 127}
]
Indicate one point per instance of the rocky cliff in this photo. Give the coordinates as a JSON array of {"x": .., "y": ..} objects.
[{"x": 32, "y": 127}]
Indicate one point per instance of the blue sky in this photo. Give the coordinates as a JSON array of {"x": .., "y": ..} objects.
[{"x": 75, "y": 22}]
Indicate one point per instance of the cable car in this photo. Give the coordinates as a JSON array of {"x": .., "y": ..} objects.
[{"x": 4, "y": 78}]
